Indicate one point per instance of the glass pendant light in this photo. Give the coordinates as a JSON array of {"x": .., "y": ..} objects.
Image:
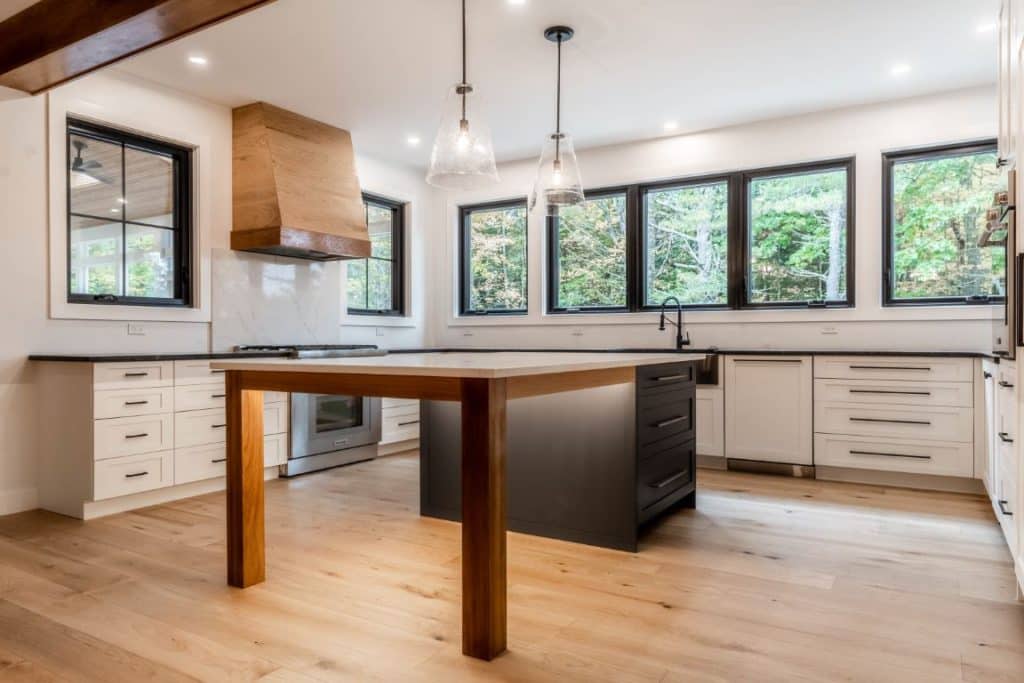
[
  {"x": 558, "y": 175},
  {"x": 463, "y": 155}
]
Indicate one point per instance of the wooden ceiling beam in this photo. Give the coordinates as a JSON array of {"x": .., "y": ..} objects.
[{"x": 53, "y": 41}]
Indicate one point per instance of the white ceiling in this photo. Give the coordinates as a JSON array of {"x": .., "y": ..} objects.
[{"x": 381, "y": 68}]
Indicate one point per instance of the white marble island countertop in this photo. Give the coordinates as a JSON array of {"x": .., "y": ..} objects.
[{"x": 488, "y": 365}]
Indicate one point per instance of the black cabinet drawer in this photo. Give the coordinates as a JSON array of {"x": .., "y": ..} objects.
[
  {"x": 665, "y": 415},
  {"x": 666, "y": 471},
  {"x": 651, "y": 379}
]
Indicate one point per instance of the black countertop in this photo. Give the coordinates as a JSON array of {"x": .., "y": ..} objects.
[{"x": 151, "y": 357}]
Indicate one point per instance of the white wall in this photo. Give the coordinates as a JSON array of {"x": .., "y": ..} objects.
[{"x": 864, "y": 131}]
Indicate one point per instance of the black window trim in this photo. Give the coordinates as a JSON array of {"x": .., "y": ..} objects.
[
  {"x": 889, "y": 160},
  {"x": 849, "y": 164},
  {"x": 397, "y": 208},
  {"x": 183, "y": 208},
  {"x": 553, "y": 251},
  {"x": 465, "y": 211}
]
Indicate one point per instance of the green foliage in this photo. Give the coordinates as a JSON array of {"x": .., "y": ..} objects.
[
  {"x": 592, "y": 254},
  {"x": 369, "y": 280},
  {"x": 498, "y": 259},
  {"x": 938, "y": 215}
]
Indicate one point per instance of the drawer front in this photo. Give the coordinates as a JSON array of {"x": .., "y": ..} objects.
[
  {"x": 130, "y": 402},
  {"x": 664, "y": 415},
  {"x": 275, "y": 450},
  {"x": 132, "y": 375},
  {"x": 196, "y": 372},
  {"x": 653, "y": 379},
  {"x": 200, "y": 427},
  {"x": 665, "y": 471},
  {"x": 895, "y": 455},
  {"x": 395, "y": 411},
  {"x": 275, "y": 397},
  {"x": 132, "y": 474},
  {"x": 928, "y": 423},
  {"x": 875, "y": 392},
  {"x": 122, "y": 436},
  {"x": 387, "y": 403},
  {"x": 400, "y": 427},
  {"x": 275, "y": 418},
  {"x": 921, "y": 369},
  {"x": 199, "y": 462},
  {"x": 198, "y": 396}
]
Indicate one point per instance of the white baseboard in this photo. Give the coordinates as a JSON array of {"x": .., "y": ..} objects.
[
  {"x": 18, "y": 500},
  {"x": 928, "y": 482},
  {"x": 398, "y": 447}
]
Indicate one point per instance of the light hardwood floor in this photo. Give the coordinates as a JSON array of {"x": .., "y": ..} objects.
[{"x": 770, "y": 579}]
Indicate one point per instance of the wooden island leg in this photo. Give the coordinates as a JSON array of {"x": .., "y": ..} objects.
[
  {"x": 246, "y": 556},
  {"x": 483, "y": 518}
]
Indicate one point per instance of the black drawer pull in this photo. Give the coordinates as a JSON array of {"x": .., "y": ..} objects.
[
  {"x": 987, "y": 375},
  {"x": 889, "y": 367},
  {"x": 892, "y": 455},
  {"x": 669, "y": 378},
  {"x": 1002, "y": 508},
  {"x": 1005, "y": 384},
  {"x": 135, "y": 403},
  {"x": 887, "y": 391},
  {"x": 898, "y": 422},
  {"x": 136, "y": 374},
  {"x": 767, "y": 360},
  {"x": 668, "y": 480},
  {"x": 670, "y": 421},
  {"x": 1005, "y": 438},
  {"x": 217, "y": 395},
  {"x": 410, "y": 422},
  {"x": 219, "y": 460},
  {"x": 135, "y": 474},
  {"x": 217, "y": 372},
  {"x": 136, "y": 436},
  {"x": 217, "y": 426}
]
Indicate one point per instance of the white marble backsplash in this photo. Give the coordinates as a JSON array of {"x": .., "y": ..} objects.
[{"x": 259, "y": 299}]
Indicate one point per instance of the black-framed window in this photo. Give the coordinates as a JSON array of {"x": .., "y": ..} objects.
[
  {"x": 933, "y": 214},
  {"x": 589, "y": 253},
  {"x": 493, "y": 266},
  {"x": 129, "y": 212},
  {"x": 376, "y": 285},
  {"x": 798, "y": 233}
]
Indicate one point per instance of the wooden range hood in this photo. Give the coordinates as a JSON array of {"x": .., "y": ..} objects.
[{"x": 295, "y": 190}]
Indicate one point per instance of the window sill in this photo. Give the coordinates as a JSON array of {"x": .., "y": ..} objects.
[{"x": 392, "y": 321}]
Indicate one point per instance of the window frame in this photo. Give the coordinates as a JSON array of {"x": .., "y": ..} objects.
[
  {"x": 465, "y": 251},
  {"x": 183, "y": 212},
  {"x": 743, "y": 254},
  {"x": 553, "y": 250},
  {"x": 397, "y": 259},
  {"x": 889, "y": 160}
]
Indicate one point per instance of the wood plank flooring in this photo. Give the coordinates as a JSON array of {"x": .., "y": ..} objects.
[{"x": 770, "y": 579}]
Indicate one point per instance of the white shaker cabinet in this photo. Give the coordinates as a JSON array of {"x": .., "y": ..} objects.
[{"x": 769, "y": 409}]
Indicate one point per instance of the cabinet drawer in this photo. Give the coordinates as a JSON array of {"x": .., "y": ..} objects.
[
  {"x": 667, "y": 470},
  {"x": 400, "y": 427},
  {"x": 929, "y": 423},
  {"x": 659, "y": 419},
  {"x": 132, "y": 375},
  {"x": 196, "y": 372},
  {"x": 198, "y": 427},
  {"x": 387, "y": 403},
  {"x": 198, "y": 396},
  {"x": 895, "y": 455},
  {"x": 894, "y": 368},
  {"x": 652, "y": 379},
  {"x": 275, "y": 450},
  {"x": 275, "y": 418},
  {"x": 129, "y": 402},
  {"x": 132, "y": 474},
  {"x": 876, "y": 392},
  {"x": 395, "y": 411},
  {"x": 121, "y": 436},
  {"x": 210, "y": 461}
]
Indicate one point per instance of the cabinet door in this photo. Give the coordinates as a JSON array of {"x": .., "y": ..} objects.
[
  {"x": 710, "y": 422},
  {"x": 989, "y": 375},
  {"x": 1006, "y": 57},
  {"x": 768, "y": 409}
]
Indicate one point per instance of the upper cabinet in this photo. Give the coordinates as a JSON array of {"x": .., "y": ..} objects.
[{"x": 1010, "y": 27}]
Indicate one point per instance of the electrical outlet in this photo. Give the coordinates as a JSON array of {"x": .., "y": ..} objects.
[
  {"x": 136, "y": 330},
  {"x": 380, "y": 331},
  {"x": 467, "y": 333},
  {"x": 577, "y": 332},
  {"x": 829, "y": 330}
]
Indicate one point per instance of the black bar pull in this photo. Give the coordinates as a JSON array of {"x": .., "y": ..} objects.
[
  {"x": 135, "y": 474},
  {"x": 669, "y": 378},
  {"x": 670, "y": 421},
  {"x": 135, "y": 403},
  {"x": 668, "y": 480},
  {"x": 136, "y": 374},
  {"x": 410, "y": 422},
  {"x": 136, "y": 436},
  {"x": 1004, "y": 384},
  {"x": 217, "y": 426},
  {"x": 986, "y": 375},
  {"x": 217, "y": 395},
  {"x": 219, "y": 460},
  {"x": 892, "y": 455},
  {"x": 899, "y": 422},
  {"x": 888, "y": 391},
  {"x": 217, "y": 372},
  {"x": 1002, "y": 508},
  {"x": 1005, "y": 438}
]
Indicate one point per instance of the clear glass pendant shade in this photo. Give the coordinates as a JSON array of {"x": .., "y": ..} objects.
[
  {"x": 558, "y": 175},
  {"x": 463, "y": 155}
]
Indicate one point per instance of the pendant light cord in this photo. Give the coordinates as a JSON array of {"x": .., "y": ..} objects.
[
  {"x": 558, "y": 105},
  {"x": 463, "y": 60}
]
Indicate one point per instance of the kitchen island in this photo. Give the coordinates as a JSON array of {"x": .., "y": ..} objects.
[{"x": 483, "y": 384}]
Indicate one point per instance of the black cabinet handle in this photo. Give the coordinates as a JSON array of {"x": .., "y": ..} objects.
[
  {"x": 1005, "y": 438},
  {"x": 410, "y": 422},
  {"x": 136, "y": 436},
  {"x": 1005, "y": 384},
  {"x": 887, "y": 391},
  {"x": 892, "y": 455},
  {"x": 217, "y": 372},
  {"x": 987, "y": 375},
  {"x": 898, "y": 422},
  {"x": 217, "y": 395},
  {"x": 136, "y": 374},
  {"x": 668, "y": 480},
  {"x": 135, "y": 474},
  {"x": 669, "y": 378},
  {"x": 218, "y": 460},
  {"x": 217, "y": 426},
  {"x": 1002, "y": 508},
  {"x": 767, "y": 360},
  {"x": 889, "y": 367},
  {"x": 135, "y": 403},
  {"x": 670, "y": 421}
]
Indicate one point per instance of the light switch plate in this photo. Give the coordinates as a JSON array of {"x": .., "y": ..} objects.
[
  {"x": 136, "y": 329},
  {"x": 829, "y": 330}
]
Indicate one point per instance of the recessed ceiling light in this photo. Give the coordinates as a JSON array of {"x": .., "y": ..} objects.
[
  {"x": 198, "y": 60},
  {"x": 413, "y": 141},
  {"x": 987, "y": 27},
  {"x": 900, "y": 69},
  {"x": 670, "y": 125}
]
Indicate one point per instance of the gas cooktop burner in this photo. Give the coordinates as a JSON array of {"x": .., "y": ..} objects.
[{"x": 316, "y": 350}]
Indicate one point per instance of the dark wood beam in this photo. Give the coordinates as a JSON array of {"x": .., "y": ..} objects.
[{"x": 53, "y": 41}]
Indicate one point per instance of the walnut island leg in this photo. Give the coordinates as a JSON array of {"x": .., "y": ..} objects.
[
  {"x": 484, "y": 613},
  {"x": 246, "y": 554}
]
